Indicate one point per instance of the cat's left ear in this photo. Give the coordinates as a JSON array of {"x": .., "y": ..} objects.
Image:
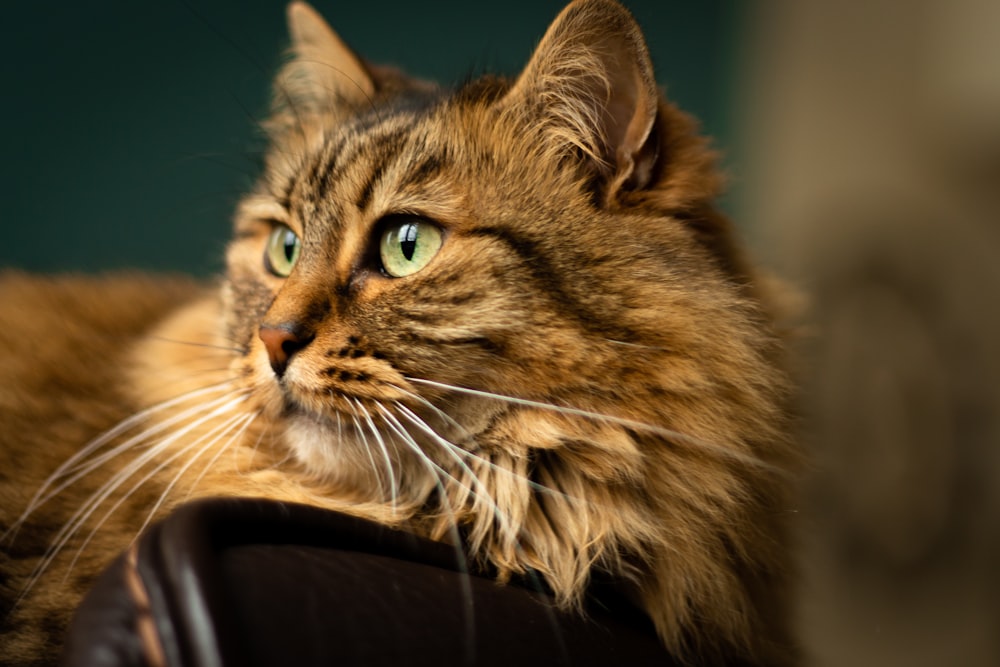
[{"x": 591, "y": 80}]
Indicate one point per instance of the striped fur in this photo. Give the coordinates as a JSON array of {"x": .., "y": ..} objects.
[{"x": 586, "y": 377}]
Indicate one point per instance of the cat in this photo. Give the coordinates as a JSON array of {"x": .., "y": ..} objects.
[{"x": 510, "y": 308}]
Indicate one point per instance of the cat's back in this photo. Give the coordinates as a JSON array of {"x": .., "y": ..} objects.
[
  {"x": 63, "y": 334},
  {"x": 66, "y": 351},
  {"x": 64, "y": 342}
]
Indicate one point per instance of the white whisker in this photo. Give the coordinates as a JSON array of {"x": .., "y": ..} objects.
[
  {"x": 73, "y": 464},
  {"x": 253, "y": 450},
  {"x": 394, "y": 489},
  {"x": 461, "y": 451},
  {"x": 366, "y": 446},
  {"x": 246, "y": 419},
  {"x": 81, "y": 515},
  {"x": 448, "y": 448},
  {"x": 452, "y": 527},
  {"x": 209, "y": 346},
  {"x": 215, "y": 434},
  {"x": 668, "y": 434},
  {"x": 435, "y": 409}
]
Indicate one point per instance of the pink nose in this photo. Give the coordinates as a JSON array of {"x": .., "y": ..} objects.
[{"x": 282, "y": 342}]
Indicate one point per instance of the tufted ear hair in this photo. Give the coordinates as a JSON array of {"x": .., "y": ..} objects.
[
  {"x": 324, "y": 72},
  {"x": 590, "y": 84}
]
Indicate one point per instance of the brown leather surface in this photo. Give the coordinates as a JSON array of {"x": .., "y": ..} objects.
[{"x": 255, "y": 582}]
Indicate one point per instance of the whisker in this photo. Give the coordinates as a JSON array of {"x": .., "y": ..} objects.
[
  {"x": 215, "y": 434},
  {"x": 81, "y": 515},
  {"x": 452, "y": 525},
  {"x": 365, "y": 445},
  {"x": 85, "y": 467},
  {"x": 247, "y": 420},
  {"x": 531, "y": 575},
  {"x": 498, "y": 514},
  {"x": 448, "y": 448},
  {"x": 438, "y": 411},
  {"x": 210, "y": 346},
  {"x": 394, "y": 490},
  {"x": 671, "y": 435},
  {"x": 253, "y": 450},
  {"x": 461, "y": 451},
  {"x": 83, "y": 470},
  {"x": 72, "y": 465},
  {"x": 638, "y": 346}
]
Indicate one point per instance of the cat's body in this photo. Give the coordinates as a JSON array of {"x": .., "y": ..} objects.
[{"x": 511, "y": 308}]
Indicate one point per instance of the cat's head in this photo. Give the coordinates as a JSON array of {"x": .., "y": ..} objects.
[
  {"x": 522, "y": 282},
  {"x": 506, "y": 237}
]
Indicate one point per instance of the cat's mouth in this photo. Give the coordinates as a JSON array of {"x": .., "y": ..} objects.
[{"x": 329, "y": 410}]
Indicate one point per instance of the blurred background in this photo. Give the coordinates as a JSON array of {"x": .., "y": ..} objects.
[
  {"x": 132, "y": 125},
  {"x": 871, "y": 167},
  {"x": 863, "y": 142}
]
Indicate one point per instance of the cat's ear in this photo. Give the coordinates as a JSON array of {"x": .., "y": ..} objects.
[
  {"x": 323, "y": 68},
  {"x": 591, "y": 81}
]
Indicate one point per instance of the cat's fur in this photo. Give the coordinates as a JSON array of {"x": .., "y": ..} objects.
[{"x": 584, "y": 272}]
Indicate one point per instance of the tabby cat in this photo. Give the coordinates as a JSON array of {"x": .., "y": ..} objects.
[{"x": 510, "y": 307}]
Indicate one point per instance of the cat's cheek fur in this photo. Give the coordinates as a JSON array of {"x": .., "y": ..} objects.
[{"x": 582, "y": 380}]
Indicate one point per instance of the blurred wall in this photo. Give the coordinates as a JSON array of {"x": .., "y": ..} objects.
[
  {"x": 872, "y": 165},
  {"x": 130, "y": 126}
]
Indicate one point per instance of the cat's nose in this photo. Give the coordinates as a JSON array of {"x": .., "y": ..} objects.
[{"x": 282, "y": 342}]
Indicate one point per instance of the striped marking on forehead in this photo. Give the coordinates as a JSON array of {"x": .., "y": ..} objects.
[{"x": 351, "y": 166}]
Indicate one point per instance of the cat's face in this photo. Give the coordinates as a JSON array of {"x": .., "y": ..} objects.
[
  {"x": 406, "y": 244},
  {"x": 512, "y": 310}
]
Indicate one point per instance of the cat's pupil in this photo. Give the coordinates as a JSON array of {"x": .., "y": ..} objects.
[
  {"x": 290, "y": 242},
  {"x": 408, "y": 240}
]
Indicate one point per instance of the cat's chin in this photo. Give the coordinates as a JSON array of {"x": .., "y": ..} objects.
[{"x": 334, "y": 449}]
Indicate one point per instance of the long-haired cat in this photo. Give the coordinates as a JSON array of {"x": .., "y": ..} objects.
[{"x": 509, "y": 308}]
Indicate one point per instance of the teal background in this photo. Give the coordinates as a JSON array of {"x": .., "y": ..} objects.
[{"x": 130, "y": 126}]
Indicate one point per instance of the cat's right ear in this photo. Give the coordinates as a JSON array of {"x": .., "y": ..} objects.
[
  {"x": 324, "y": 72},
  {"x": 590, "y": 88}
]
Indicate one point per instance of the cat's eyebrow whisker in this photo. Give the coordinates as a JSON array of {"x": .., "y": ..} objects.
[
  {"x": 668, "y": 434},
  {"x": 75, "y": 468}
]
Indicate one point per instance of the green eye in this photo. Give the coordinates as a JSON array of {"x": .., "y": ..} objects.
[
  {"x": 408, "y": 246},
  {"x": 283, "y": 248}
]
